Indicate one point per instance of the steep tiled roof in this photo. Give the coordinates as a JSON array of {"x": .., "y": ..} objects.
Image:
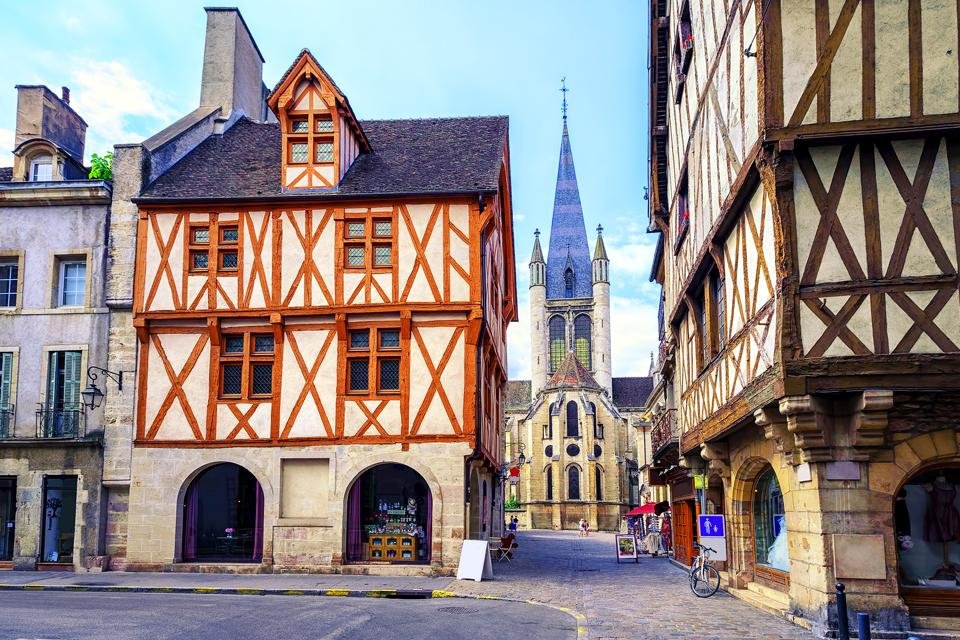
[
  {"x": 517, "y": 396},
  {"x": 440, "y": 155},
  {"x": 571, "y": 373},
  {"x": 6, "y": 174},
  {"x": 568, "y": 233},
  {"x": 631, "y": 392}
]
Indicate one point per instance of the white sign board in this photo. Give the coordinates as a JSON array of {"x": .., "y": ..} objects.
[
  {"x": 718, "y": 547},
  {"x": 475, "y": 561}
]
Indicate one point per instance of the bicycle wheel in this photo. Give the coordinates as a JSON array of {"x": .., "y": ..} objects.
[{"x": 705, "y": 582}]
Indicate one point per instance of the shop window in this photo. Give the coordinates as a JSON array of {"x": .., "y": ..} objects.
[
  {"x": 582, "y": 341},
  {"x": 246, "y": 365},
  {"x": 558, "y": 341},
  {"x": 373, "y": 361},
  {"x": 223, "y": 516},
  {"x": 59, "y": 519},
  {"x": 573, "y": 420},
  {"x": 927, "y": 527},
  {"x": 769, "y": 523},
  {"x": 368, "y": 243},
  {"x": 573, "y": 483}
]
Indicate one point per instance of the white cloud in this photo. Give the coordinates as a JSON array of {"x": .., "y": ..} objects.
[
  {"x": 109, "y": 97},
  {"x": 6, "y": 147}
]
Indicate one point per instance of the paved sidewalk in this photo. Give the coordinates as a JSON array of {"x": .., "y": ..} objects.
[{"x": 649, "y": 600}]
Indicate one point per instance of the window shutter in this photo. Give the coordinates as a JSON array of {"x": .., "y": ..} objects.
[
  {"x": 52, "y": 396},
  {"x": 71, "y": 379},
  {"x": 6, "y": 375}
]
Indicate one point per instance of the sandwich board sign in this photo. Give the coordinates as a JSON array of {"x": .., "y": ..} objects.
[
  {"x": 712, "y": 530},
  {"x": 475, "y": 561}
]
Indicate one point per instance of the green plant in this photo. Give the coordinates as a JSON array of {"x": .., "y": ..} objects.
[
  {"x": 101, "y": 167},
  {"x": 511, "y": 503}
]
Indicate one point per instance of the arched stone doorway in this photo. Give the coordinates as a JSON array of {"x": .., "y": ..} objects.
[
  {"x": 389, "y": 516},
  {"x": 223, "y": 516},
  {"x": 759, "y": 527}
]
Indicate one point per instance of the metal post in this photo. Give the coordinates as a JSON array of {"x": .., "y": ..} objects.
[
  {"x": 843, "y": 628},
  {"x": 863, "y": 626}
]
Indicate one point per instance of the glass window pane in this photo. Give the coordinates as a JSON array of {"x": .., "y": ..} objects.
[
  {"x": 263, "y": 344},
  {"x": 8, "y": 285},
  {"x": 390, "y": 374},
  {"x": 201, "y": 236},
  {"x": 382, "y": 256},
  {"x": 74, "y": 277},
  {"x": 232, "y": 379},
  {"x": 301, "y": 126},
  {"x": 298, "y": 152},
  {"x": 200, "y": 260},
  {"x": 228, "y": 259},
  {"x": 262, "y": 379},
  {"x": 42, "y": 169},
  {"x": 389, "y": 339},
  {"x": 230, "y": 234},
  {"x": 354, "y": 256},
  {"x": 324, "y": 125},
  {"x": 233, "y": 344},
  {"x": 360, "y": 339},
  {"x": 359, "y": 375},
  {"x": 356, "y": 229},
  {"x": 324, "y": 152},
  {"x": 383, "y": 228}
]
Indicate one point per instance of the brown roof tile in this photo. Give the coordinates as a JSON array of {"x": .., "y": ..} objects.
[{"x": 571, "y": 373}]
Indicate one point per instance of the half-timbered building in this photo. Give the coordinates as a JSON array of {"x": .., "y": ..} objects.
[
  {"x": 804, "y": 181},
  {"x": 320, "y": 308}
]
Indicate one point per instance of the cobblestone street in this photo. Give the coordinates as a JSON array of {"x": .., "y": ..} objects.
[{"x": 649, "y": 600}]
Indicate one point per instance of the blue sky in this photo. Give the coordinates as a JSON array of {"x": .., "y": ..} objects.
[{"x": 134, "y": 68}]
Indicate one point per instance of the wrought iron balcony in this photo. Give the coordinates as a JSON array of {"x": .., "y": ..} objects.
[
  {"x": 8, "y": 414},
  {"x": 60, "y": 421},
  {"x": 664, "y": 430}
]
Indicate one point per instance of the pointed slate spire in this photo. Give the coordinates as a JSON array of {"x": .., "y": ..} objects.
[
  {"x": 599, "y": 250},
  {"x": 538, "y": 268},
  {"x": 568, "y": 233},
  {"x": 537, "y": 255}
]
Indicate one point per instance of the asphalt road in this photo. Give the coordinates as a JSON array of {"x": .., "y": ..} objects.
[{"x": 93, "y": 616}]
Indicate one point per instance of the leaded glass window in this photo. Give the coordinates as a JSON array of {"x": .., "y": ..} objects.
[
  {"x": 389, "y": 339},
  {"x": 262, "y": 379},
  {"x": 582, "y": 341},
  {"x": 382, "y": 256},
  {"x": 573, "y": 420},
  {"x": 246, "y": 365},
  {"x": 557, "y": 341},
  {"x": 324, "y": 152},
  {"x": 360, "y": 339},
  {"x": 355, "y": 256},
  {"x": 324, "y": 125},
  {"x": 298, "y": 152},
  {"x": 359, "y": 375},
  {"x": 356, "y": 229},
  {"x": 300, "y": 126},
  {"x": 232, "y": 379},
  {"x": 383, "y": 228},
  {"x": 390, "y": 374}
]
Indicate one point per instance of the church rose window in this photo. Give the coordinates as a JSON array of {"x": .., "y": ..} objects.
[
  {"x": 582, "y": 340},
  {"x": 573, "y": 450},
  {"x": 557, "y": 340},
  {"x": 548, "y": 451}
]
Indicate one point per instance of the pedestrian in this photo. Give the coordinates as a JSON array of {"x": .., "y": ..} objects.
[
  {"x": 584, "y": 527},
  {"x": 514, "y": 523},
  {"x": 665, "y": 532}
]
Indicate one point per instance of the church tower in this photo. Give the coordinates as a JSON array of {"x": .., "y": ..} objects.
[{"x": 569, "y": 292}]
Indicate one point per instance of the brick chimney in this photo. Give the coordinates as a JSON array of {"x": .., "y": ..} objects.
[
  {"x": 232, "y": 66},
  {"x": 42, "y": 114},
  {"x": 65, "y": 94}
]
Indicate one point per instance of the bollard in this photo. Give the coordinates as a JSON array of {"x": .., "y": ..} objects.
[
  {"x": 843, "y": 628},
  {"x": 863, "y": 626}
]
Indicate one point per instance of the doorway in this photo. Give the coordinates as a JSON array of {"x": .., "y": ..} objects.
[
  {"x": 8, "y": 513},
  {"x": 223, "y": 516},
  {"x": 59, "y": 519}
]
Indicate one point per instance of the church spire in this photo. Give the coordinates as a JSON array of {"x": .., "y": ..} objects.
[{"x": 568, "y": 233}]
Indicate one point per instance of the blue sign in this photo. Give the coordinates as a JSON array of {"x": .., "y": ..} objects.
[{"x": 712, "y": 526}]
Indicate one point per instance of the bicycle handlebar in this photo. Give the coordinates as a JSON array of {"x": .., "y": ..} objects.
[{"x": 700, "y": 546}]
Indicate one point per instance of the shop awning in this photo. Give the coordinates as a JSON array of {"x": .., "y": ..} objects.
[{"x": 642, "y": 511}]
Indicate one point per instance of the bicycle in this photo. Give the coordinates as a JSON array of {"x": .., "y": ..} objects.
[{"x": 704, "y": 577}]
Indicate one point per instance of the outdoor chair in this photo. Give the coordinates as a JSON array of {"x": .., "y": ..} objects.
[{"x": 507, "y": 545}]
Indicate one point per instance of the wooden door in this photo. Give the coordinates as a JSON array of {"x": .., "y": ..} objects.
[{"x": 683, "y": 531}]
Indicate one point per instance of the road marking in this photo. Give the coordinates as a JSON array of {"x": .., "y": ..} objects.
[{"x": 336, "y": 633}]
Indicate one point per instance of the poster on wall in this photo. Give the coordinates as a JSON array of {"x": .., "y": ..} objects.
[{"x": 626, "y": 547}]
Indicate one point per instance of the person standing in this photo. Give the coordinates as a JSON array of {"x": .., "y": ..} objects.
[
  {"x": 583, "y": 528},
  {"x": 665, "y": 532}
]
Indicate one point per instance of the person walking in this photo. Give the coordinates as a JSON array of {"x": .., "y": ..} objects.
[
  {"x": 514, "y": 523},
  {"x": 584, "y": 528}
]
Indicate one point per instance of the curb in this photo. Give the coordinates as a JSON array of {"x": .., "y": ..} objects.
[{"x": 395, "y": 594}]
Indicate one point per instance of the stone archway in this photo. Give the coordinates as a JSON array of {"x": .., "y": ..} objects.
[
  {"x": 222, "y": 516},
  {"x": 742, "y": 562}
]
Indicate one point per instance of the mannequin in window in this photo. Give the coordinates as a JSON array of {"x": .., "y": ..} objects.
[{"x": 942, "y": 520}]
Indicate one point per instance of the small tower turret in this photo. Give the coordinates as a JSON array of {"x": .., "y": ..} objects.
[
  {"x": 538, "y": 316},
  {"x": 603, "y": 370}
]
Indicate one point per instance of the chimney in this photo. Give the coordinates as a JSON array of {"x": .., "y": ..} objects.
[
  {"x": 232, "y": 66},
  {"x": 65, "y": 94},
  {"x": 41, "y": 115}
]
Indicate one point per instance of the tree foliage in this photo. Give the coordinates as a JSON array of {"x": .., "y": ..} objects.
[{"x": 101, "y": 167}]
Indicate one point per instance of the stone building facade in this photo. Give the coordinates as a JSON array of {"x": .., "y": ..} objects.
[
  {"x": 53, "y": 326},
  {"x": 803, "y": 182},
  {"x": 574, "y": 422},
  {"x": 318, "y": 327}
]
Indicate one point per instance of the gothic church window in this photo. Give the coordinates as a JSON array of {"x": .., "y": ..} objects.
[
  {"x": 568, "y": 282},
  {"x": 573, "y": 420},
  {"x": 573, "y": 483},
  {"x": 549, "y": 491},
  {"x": 557, "y": 340},
  {"x": 582, "y": 340},
  {"x": 598, "y": 481}
]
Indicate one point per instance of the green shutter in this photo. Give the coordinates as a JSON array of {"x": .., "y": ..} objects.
[
  {"x": 71, "y": 379},
  {"x": 6, "y": 375},
  {"x": 52, "y": 396}
]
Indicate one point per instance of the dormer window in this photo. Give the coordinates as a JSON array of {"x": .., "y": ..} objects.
[
  {"x": 568, "y": 281},
  {"x": 41, "y": 168},
  {"x": 300, "y": 125}
]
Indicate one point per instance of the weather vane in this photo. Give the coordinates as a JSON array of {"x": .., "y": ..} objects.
[{"x": 563, "y": 88}]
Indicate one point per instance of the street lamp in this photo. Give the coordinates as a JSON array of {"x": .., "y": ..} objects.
[{"x": 92, "y": 395}]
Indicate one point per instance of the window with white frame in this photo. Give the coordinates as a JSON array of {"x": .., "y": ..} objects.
[
  {"x": 41, "y": 168},
  {"x": 9, "y": 278},
  {"x": 73, "y": 283}
]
